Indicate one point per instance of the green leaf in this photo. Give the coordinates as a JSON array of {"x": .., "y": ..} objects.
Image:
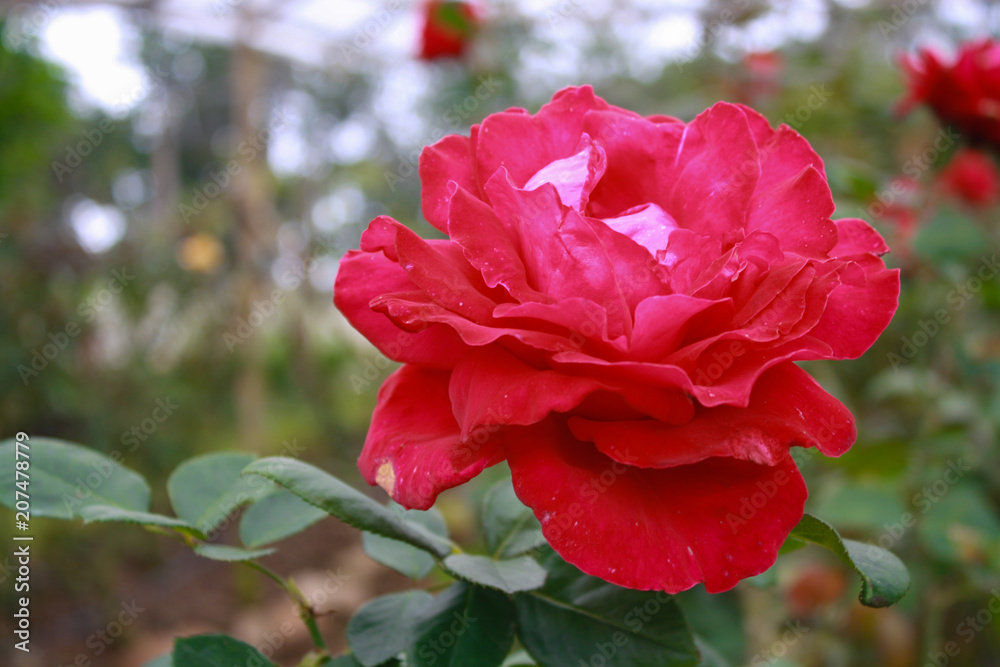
[
  {"x": 510, "y": 576},
  {"x": 519, "y": 659},
  {"x": 577, "y": 618},
  {"x": 230, "y": 554},
  {"x": 884, "y": 578},
  {"x": 206, "y": 491},
  {"x": 217, "y": 651},
  {"x": 344, "y": 502},
  {"x": 709, "y": 656},
  {"x": 276, "y": 516},
  {"x": 510, "y": 528},
  {"x": 713, "y": 617},
  {"x": 405, "y": 559},
  {"x": 63, "y": 478},
  {"x": 464, "y": 625},
  {"x": 106, "y": 513},
  {"x": 386, "y": 626}
]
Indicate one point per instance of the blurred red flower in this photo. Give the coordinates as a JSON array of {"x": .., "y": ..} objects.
[
  {"x": 764, "y": 69},
  {"x": 617, "y": 312},
  {"x": 972, "y": 177},
  {"x": 964, "y": 92},
  {"x": 448, "y": 28}
]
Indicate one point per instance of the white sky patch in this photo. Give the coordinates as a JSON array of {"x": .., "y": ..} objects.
[
  {"x": 352, "y": 140},
  {"x": 98, "y": 227},
  {"x": 98, "y": 48},
  {"x": 287, "y": 153},
  {"x": 802, "y": 20},
  {"x": 673, "y": 37},
  {"x": 398, "y": 97},
  {"x": 344, "y": 205},
  {"x": 965, "y": 13},
  {"x": 324, "y": 273}
]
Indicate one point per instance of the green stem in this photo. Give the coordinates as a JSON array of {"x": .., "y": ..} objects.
[{"x": 306, "y": 612}]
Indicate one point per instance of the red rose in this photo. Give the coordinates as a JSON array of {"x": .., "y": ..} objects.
[
  {"x": 616, "y": 312},
  {"x": 964, "y": 93},
  {"x": 448, "y": 27},
  {"x": 972, "y": 177}
]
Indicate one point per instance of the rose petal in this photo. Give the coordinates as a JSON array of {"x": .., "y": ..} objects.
[
  {"x": 440, "y": 269},
  {"x": 663, "y": 322},
  {"x": 573, "y": 177},
  {"x": 490, "y": 386},
  {"x": 364, "y": 276},
  {"x": 856, "y": 315},
  {"x": 640, "y": 156},
  {"x": 715, "y": 522},
  {"x": 856, "y": 237},
  {"x": 717, "y": 172},
  {"x": 783, "y": 152},
  {"x": 524, "y": 144},
  {"x": 797, "y": 211},
  {"x": 448, "y": 161},
  {"x": 562, "y": 253},
  {"x": 787, "y": 408},
  {"x": 414, "y": 449},
  {"x": 489, "y": 247},
  {"x": 648, "y": 225}
]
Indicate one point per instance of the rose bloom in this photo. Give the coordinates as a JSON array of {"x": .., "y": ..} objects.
[
  {"x": 448, "y": 27},
  {"x": 964, "y": 92},
  {"x": 616, "y": 312},
  {"x": 972, "y": 177}
]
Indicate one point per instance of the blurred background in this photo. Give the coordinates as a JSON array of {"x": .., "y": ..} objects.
[{"x": 179, "y": 178}]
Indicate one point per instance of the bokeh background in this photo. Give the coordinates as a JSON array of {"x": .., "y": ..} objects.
[{"x": 179, "y": 178}]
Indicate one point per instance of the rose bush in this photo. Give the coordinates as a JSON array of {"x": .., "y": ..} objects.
[
  {"x": 964, "y": 92},
  {"x": 616, "y": 312}
]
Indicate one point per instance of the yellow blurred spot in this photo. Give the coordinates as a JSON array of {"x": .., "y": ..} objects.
[{"x": 200, "y": 253}]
